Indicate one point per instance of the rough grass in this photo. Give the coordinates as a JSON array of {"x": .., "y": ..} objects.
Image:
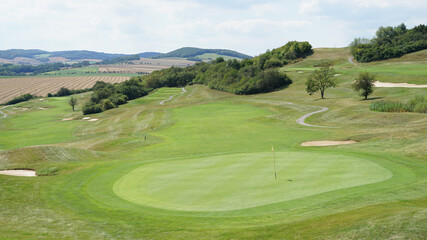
[{"x": 415, "y": 104}]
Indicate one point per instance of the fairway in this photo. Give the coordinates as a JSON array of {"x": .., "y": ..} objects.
[
  {"x": 200, "y": 165},
  {"x": 238, "y": 181}
]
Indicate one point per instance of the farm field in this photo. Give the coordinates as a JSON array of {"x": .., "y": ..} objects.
[
  {"x": 201, "y": 166},
  {"x": 41, "y": 86},
  {"x": 145, "y": 66}
]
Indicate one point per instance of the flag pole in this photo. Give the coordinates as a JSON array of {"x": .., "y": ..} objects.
[{"x": 274, "y": 160}]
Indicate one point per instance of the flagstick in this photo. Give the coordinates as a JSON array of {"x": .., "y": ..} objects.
[{"x": 274, "y": 160}]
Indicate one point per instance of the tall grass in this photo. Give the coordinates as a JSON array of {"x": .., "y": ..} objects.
[{"x": 415, "y": 104}]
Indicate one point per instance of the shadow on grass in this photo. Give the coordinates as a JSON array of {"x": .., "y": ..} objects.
[{"x": 371, "y": 99}]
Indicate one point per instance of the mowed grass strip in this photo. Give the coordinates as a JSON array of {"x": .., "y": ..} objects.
[{"x": 238, "y": 181}]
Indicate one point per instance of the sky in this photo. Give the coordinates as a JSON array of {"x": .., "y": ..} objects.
[{"x": 247, "y": 26}]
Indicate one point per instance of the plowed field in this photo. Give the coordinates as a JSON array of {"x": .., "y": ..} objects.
[{"x": 41, "y": 86}]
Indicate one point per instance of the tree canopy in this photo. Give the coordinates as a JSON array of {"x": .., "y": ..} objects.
[
  {"x": 364, "y": 84},
  {"x": 320, "y": 80},
  {"x": 390, "y": 42}
]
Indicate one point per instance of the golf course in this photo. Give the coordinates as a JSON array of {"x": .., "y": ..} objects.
[{"x": 196, "y": 163}]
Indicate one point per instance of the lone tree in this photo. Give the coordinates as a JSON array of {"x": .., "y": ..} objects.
[
  {"x": 73, "y": 102},
  {"x": 364, "y": 84},
  {"x": 320, "y": 80}
]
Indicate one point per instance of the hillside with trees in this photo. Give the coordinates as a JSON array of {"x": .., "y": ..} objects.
[
  {"x": 249, "y": 76},
  {"x": 390, "y": 42},
  {"x": 192, "y": 53}
]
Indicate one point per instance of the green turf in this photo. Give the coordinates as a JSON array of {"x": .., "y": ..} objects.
[
  {"x": 238, "y": 181},
  {"x": 200, "y": 166}
]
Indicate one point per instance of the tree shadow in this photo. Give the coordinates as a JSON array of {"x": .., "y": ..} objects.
[{"x": 370, "y": 99}]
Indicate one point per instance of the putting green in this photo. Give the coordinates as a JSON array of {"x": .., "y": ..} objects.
[{"x": 239, "y": 181}]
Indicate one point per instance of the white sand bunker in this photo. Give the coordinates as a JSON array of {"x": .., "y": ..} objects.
[
  {"x": 42, "y": 108},
  {"x": 67, "y": 119},
  {"x": 20, "y": 173},
  {"x": 337, "y": 74},
  {"x": 86, "y": 118},
  {"x": 93, "y": 120},
  {"x": 326, "y": 143},
  {"x": 405, "y": 85},
  {"x": 300, "y": 72}
]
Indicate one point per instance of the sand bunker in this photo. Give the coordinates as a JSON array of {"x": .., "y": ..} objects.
[
  {"x": 405, "y": 85},
  {"x": 300, "y": 72},
  {"x": 337, "y": 74},
  {"x": 326, "y": 143},
  {"x": 93, "y": 120},
  {"x": 42, "y": 108},
  {"x": 20, "y": 173},
  {"x": 67, "y": 119},
  {"x": 86, "y": 118}
]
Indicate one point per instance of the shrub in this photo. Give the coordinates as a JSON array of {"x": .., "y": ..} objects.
[
  {"x": 107, "y": 104},
  {"x": 22, "y": 98},
  {"x": 118, "y": 99},
  {"x": 91, "y": 107},
  {"x": 64, "y": 92}
]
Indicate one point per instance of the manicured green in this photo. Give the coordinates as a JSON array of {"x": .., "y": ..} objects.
[{"x": 239, "y": 181}]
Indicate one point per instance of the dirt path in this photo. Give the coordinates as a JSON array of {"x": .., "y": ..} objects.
[
  {"x": 4, "y": 114},
  {"x": 170, "y": 98},
  {"x": 302, "y": 119},
  {"x": 404, "y": 85},
  {"x": 350, "y": 60}
]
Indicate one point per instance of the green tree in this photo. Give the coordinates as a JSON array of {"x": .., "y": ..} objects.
[
  {"x": 73, "y": 102},
  {"x": 320, "y": 80},
  {"x": 364, "y": 84}
]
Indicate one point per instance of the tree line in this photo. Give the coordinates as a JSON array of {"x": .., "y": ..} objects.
[
  {"x": 250, "y": 76},
  {"x": 24, "y": 70},
  {"x": 390, "y": 42}
]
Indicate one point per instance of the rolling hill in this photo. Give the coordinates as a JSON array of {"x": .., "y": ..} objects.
[
  {"x": 191, "y": 53},
  {"x": 36, "y": 56}
]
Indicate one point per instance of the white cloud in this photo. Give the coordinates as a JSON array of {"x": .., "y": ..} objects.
[
  {"x": 309, "y": 6},
  {"x": 131, "y": 26}
]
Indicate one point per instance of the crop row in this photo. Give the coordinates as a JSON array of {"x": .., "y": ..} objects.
[{"x": 13, "y": 87}]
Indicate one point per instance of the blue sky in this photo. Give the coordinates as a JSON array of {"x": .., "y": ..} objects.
[{"x": 248, "y": 26}]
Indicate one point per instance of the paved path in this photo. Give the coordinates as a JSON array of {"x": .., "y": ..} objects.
[
  {"x": 4, "y": 114},
  {"x": 302, "y": 119},
  {"x": 170, "y": 98}
]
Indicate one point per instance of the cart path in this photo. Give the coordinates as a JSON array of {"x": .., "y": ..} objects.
[
  {"x": 4, "y": 114},
  {"x": 170, "y": 98},
  {"x": 301, "y": 120}
]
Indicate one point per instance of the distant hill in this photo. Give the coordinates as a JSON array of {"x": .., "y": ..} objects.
[
  {"x": 27, "y": 53},
  {"x": 36, "y": 56},
  {"x": 72, "y": 55},
  {"x": 191, "y": 53},
  {"x": 149, "y": 54}
]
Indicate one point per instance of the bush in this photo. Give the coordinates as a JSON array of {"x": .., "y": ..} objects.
[
  {"x": 118, "y": 99},
  {"x": 22, "y": 98},
  {"x": 64, "y": 92},
  {"x": 91, "y": 107},
  {"x": 107, "y": 104}
]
